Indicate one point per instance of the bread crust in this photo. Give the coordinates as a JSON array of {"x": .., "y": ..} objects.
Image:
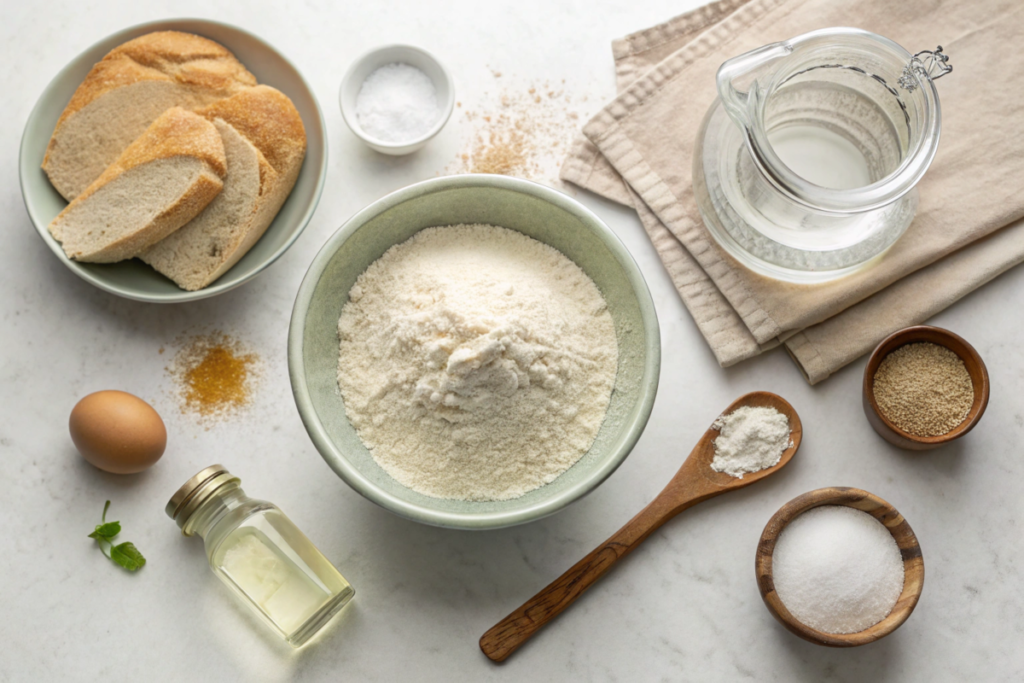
[
  {"x": 194, "y": 71},
  {"x": 188, "y": 206},
  {"x": 176, "y": 132},
  {"x": 268, "y": 119},
  {"x": 185, "y": 58}
]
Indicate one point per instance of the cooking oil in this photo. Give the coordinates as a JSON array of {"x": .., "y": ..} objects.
[{"x": 261, "y": 555}]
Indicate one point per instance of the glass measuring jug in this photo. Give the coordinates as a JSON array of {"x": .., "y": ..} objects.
[{"x": 806, "y": 165}]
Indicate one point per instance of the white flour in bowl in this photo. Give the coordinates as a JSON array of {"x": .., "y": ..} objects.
[{"x": 475, "y": 363}]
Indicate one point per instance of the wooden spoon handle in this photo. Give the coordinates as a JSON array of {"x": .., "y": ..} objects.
[
  {"x": 506, "y": 636},
  {"x": 693, "y": 483}
]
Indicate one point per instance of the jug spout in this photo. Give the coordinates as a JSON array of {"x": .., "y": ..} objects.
[{"x": 742, "y": 81}]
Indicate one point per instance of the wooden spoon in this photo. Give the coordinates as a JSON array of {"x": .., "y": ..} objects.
[{"x": 693, "y": 483}]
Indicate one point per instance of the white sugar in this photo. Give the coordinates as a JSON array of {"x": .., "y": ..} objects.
[
  {"x": 837, "y": 569},
  {"x": 397, "y": 103}
]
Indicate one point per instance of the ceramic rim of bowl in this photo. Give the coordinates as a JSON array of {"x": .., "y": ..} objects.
[
  {"x": 487, "y": 520},
  {"x": 219, "y": 286}
]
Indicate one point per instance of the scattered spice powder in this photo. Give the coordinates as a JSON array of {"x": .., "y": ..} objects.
[
  {"x": 215, "y": 375},
  {"x": 520, "y": 130},
  {"x": 924, "y": 389},
  {"x": 503, "y": 152}
]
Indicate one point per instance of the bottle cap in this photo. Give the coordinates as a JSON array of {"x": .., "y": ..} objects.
[{"x": 194, "y": 492}]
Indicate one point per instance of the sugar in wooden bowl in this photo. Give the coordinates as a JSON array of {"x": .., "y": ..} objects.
[
  {"x": 839, "y": 567},
  {"x": 923, "y": 387}
]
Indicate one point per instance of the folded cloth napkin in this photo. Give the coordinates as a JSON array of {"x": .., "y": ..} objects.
[{"x": 968, "y": 228}]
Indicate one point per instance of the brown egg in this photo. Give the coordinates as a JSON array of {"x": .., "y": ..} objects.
[{"x": 117, "y": 432}]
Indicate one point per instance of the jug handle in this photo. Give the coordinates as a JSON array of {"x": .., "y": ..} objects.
[{"x": 738, "y": 103}]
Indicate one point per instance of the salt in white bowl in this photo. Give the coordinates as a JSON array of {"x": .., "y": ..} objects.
[{"x": 373, "y": 60}]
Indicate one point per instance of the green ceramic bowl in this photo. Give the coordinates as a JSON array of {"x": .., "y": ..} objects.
[
  {"x": 542, "y": 213},
  {"x": 134, "y": 279}
]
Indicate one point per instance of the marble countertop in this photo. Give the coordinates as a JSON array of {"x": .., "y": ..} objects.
[{"x": 685, "y": 606}]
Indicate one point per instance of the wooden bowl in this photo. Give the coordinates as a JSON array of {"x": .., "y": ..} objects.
[
  {"x": 913, "y": 563},
  {"x": 936, "y": 335}
]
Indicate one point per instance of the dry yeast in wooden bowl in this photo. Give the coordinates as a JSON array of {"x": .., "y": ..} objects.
[{"x": 929, "y": 383}]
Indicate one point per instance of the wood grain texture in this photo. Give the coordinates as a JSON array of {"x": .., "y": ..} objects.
[
  {"x": 935, "y": 335},
  {"x": 693, "y": 483},
  {"x": 910, "y": 549}
]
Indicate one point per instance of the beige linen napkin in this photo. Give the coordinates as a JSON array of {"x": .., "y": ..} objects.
[{"x": 634, "y": 153}]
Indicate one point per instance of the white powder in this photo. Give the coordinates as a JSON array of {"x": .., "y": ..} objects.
[
  {"x": 837, "y": 569},
  {"x": 397, "y": 103},
  {"x": 750, "y": 439},
  {"x": 475, "y": 363}
]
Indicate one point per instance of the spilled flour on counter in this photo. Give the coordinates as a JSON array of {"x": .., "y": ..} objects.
[
  {"x": 475, "y": 363},
  {"x": 750, "y": 439}
]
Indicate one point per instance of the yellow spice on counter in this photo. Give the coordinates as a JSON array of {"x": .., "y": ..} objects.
[{"x": 215, "y": 375}]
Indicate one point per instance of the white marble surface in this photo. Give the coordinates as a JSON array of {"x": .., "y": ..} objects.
[{"x": 683, "y": 607}]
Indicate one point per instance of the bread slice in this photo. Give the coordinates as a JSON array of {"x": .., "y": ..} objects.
[
  {"x": 126, "y": 91},
  {"x": 158, "y": 184},
  {"x": 265, "y": 143}
]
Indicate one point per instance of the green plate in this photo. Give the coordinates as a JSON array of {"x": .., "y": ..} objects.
[
  {"x": 542, "y": 213},
  {"x": 133, "y": 279}
]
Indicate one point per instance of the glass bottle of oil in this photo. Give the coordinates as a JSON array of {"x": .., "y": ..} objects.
[{"x": 260, "y": 554}]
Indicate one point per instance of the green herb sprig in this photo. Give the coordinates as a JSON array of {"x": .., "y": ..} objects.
[{"x": 124, "y": 554}]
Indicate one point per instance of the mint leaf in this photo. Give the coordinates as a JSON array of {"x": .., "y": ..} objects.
[
  {"x": 128, "y": 556},
  {"x": 106, "y": 531},
  {"x": 124, "y": 554}
]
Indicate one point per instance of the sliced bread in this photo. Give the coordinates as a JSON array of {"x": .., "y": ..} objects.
[
  {"x": 126, "y": 91},
  {"x": 265, "y": 143},
  {"x": 158, "y": 184}
]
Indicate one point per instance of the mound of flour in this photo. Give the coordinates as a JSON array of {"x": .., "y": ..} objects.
[
  {"x": 750, "y": 439},
  {"x": 475, "y": 363}
]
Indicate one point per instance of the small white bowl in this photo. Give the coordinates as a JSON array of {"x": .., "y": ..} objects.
[{"x": 373, "y": 60}]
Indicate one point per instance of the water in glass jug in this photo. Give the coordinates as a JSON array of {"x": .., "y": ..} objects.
[{"x": 806, "y": 164}]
